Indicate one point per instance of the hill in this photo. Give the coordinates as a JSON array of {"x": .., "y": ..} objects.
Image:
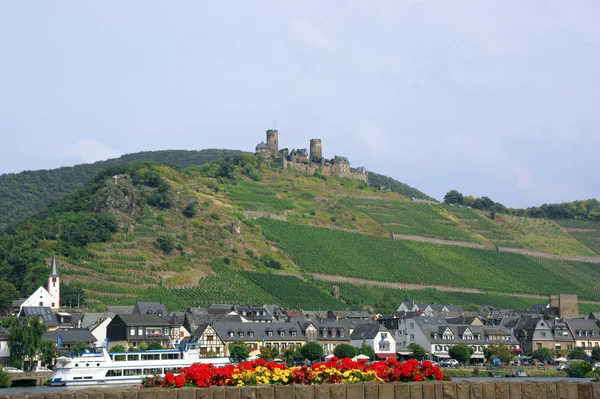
[
  {"x": 244, "y": 230},
  {"x": 26, "y": 193}
]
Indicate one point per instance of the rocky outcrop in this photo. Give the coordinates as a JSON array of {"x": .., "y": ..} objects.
[{"x": 120, "y": 198}]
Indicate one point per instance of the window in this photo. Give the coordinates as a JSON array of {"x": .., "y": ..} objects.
[
  {"x": 293, "y": 333},
  {"x": 230, "y": 333},
  {"x": 538, "y": 346},
  {"x": 569, "y": 347},
  {"x": 140, "y": 331},
  {"x": 114, "y": 373},
  {"x": 210, "y": 337},
  {"x": 270, "y": 333},
  {"x": 53, "y": 305},
  {"x": 241, "y": 333},
  {"x": 412, "y": 337},
  {"x": 251, "y": 334},
  {"x": 166, "y": 331},
  {"x": 543, "y": 334},
  {"x": 152, "y": 371},
  {"x": 282, "y": 333},
  {"x": 128, "y": 372},
  {"x": 151, "y": 356}
]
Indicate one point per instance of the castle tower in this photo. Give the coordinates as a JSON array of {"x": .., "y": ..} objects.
[
  {"x": 54, "y": 283},
  {"x": 273, "y": 140},
  {"x": 316, "y": 150}
]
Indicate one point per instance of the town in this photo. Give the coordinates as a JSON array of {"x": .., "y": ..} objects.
[{"x": 273, "y": 333}]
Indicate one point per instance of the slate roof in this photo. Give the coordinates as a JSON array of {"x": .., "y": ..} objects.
[
  {"x": 91, "y": 319},
  {"x": 220, "y": 308},
  {"x": 585, "y": 327},
  {"x": 340, "y": 159},
  {"x": 53, "y": 267},
  {"x": 302, "y": 152},
  {"x": 259, "y": 330},
  {"x": 454, "y": 308},
  {"x": 44, "y": 312},
  {"x": 143, "y": 320},
  {"x": 18, "y": 302},
  {"x": 120, "y": 309},
  {"x": 262, "y": 146},
  {"x": 594, "y": 315},
  {"x": 71, "y": 335},
  {"x": 150, "y": 308},
  {"x": 367, "y": 331}
]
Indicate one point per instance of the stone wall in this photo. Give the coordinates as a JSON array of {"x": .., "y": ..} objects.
[{"x": 413, "y": 390}]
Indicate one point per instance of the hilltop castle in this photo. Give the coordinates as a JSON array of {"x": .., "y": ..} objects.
[{"x": 303, "y": 161}]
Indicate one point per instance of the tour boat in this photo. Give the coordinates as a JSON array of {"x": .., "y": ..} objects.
[{"x": 102, "y": 367}]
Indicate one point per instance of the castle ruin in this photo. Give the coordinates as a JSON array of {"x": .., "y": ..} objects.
[{"x": 303, "y": 161}]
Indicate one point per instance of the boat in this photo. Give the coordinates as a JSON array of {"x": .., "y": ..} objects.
[{"x": 98, "y": 367}]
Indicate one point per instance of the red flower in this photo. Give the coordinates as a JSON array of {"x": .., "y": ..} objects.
[
  {"x": 169, "y": 378},
  {"x": 179, "y": 381}
]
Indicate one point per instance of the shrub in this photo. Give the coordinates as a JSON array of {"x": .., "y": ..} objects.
[
  {"x": 578, "y": 369},
  {"x": 4, "y": 379},
  {"x": 333, "y": 219},
  {"x": 190, "y": 210},
  {"x": 165, "y": 244}
]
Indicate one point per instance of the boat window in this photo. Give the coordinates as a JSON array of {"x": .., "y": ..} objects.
[
  {"x": 128, "y": 372},
  {"x": 172, "y": 369},
  {"x": 114, "y": 373},
  {"x": 77, "y": 378},
  {"x": 170, "y": 356},
  {"x": 119, "y": 358},
  {"x": 154, "y": 371},
  {"x": 151, "y": 356},
  {"x": 87, "y": 378},
  {"x": 133, "y": 357}
]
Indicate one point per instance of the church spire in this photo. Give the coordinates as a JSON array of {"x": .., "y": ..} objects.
[{"x": 53, "y": 267}]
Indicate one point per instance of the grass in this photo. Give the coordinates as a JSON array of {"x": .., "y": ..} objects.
[{"x": 587, "y": 232}]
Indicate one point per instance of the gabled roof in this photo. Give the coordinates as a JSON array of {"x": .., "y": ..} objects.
[
  {"x": 71, "y": 335},
  {"x": 340, "y": 159},
  {"x": 53, "y": 267},
  {"x": 262, "y": 146},
  {"x": 43, "y": 312},
  {"x": 90, "y": 319}
]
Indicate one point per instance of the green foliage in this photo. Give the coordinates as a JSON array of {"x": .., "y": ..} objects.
[
  {"x": 190, "y": 210},
  {"x": 252, "y": 196},
  {"x": 238, "y": 351},
  {"x": 155, "y": 346},
  {"x": 117, "y": 348},
  {"x": 25, "y": 340},
  {"x": 349, "y": 253},
  {"x": 161, "y": 199},
  {"x": 165, "y": 244},
  {"x": 578, "y": 353},
  {"x": 4, "y": 379},
  {"x": 366, "y": 350},
  {"x": 71, "y": 294},
  {"x": 377, "y": 180},
  {"x": 462, "y": 353},
  {"x": 578, "y": 369},
  {"x": 269, "y": 262},
  {"x": 418, "y": 352},
  {"x": 344, "y": 350},
  {"x": 311, "y": 351},
  {"x": 453, "y": 197},
  {"x": 587, "y": 232},
  {"x": 501, "y": 352},
  {"x": 543, "y": 355},
  {"x": 596, "y": 353}
]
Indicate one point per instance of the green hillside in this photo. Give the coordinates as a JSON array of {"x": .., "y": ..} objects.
[{"x": 169, "y": 234}]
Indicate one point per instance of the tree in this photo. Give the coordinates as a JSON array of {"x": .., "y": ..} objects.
[
  {"x": 8, "y": 293},
  {"x": 117, "y": 348},
  {"x": 291, "y": 354},
  {"x": 268, "y": 354},
  {"x": 165, "y": 244},
  {"x": 461, "y": 353},
  {"x": 238, "y": 351},
  {"x": 596, "y": 353},
  {"x": 25, "y": 340},
  {"x": 501, "y": 352},
  {"x": 155, "y": 346},
  {"x": 344, "y": 350},
  {"x": 366, "y": 350},
  {"x": 543, "y": 355},
  {"x": 578, "y": 353},
  {"x": 311, "y": 351},
  {"x": 418, "y": 352},
  {"x": 578, "y": 369},
  {"x": 71, "y": 295},
  {"x": 453, "y": 197}
]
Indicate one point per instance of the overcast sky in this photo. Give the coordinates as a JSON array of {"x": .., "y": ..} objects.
[{"x": 498, "y": 98}]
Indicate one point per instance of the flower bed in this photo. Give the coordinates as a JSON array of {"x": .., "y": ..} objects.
[{"x": 334, "y": 371}]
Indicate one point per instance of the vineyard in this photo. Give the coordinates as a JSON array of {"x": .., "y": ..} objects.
[
  {"x": 342, "y": 253},
  {"x": 255, "y": 197},
  {"x": 585, "y": 231},
  {"x": 484, "y": 226},
  {"x": 411, "y": 218}
]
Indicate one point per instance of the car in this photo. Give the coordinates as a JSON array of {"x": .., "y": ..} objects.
[
  {"x": 561, "y": 366},
  {"x": 12, "y": 370},
  {"x": 41, "y": 369}
]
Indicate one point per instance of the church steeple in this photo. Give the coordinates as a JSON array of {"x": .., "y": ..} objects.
[
  {"x": 54, "y": 283},
  {"x": 53, "y": 267}
]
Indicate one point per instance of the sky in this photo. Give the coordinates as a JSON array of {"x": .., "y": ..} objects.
[{"x": 491, "y": 98}]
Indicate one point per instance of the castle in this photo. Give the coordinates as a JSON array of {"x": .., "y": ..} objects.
[{"x": 303, "y": 161}]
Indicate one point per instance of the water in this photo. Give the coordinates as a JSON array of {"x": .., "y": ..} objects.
[{"x": 520, "y": 379}]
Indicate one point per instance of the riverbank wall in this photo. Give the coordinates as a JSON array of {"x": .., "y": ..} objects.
[{"x": 428, "y": 390}]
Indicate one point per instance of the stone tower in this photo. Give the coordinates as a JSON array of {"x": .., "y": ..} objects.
[
  {"x": 316, "y": 149},
  {"x": 54, "y": 283},
  {"x": 273, "y": 140}
]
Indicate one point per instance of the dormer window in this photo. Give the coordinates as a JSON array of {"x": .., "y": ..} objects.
[
  {"x": 270, "y": 333},
  {"x": 282, "y": 333},
  {"x": 241, "y": 333},
  {"x": 293, "y": 333},
  {"x": 251, "y": 333}
]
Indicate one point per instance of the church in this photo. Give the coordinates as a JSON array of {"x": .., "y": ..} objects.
[{"x": 44, "y": 297}]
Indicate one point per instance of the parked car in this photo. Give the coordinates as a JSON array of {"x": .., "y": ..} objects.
[
  {"x": 561, "y": 366},
  {"x": 12, "y": 370},
  {"x": 449, "y": 363},
  {"x": 41, "y": 369}
]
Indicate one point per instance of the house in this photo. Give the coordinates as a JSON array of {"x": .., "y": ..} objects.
[
  {"x": 205, "y": 339},
  {"x": 96, "y": 323},
  {"x": 4, "y": 351},
  {"x": 534, "y": 332},
  {"x": 327, "y": 333},
  {"x": 136, "y": 330},
  {"x": 44, "y": 313},
  {"x": 378, "y": 337},
  {"x": 119, "y": 309},
  {"x": 586, "y": 333},
  {"x": 43, "y": 297},
  {"x": 280, "y": 336}
]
